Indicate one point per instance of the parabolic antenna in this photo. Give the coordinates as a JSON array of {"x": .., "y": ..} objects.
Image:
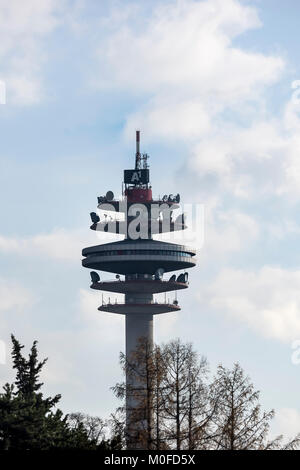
[{"x": 109, "y": 196}]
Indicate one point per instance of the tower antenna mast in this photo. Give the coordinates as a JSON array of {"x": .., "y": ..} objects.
[{"x": 137, "y": 154}]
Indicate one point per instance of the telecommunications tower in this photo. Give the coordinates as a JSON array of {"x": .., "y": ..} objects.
[{"x": 138, "y": 261}]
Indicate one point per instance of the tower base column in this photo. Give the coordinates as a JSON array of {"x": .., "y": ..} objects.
[
  {"x": 139, "y": 342},
  {"x": 139, "y": 327}
]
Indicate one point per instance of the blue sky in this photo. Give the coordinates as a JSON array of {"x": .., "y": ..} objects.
[{"x": 209, "y": 83}]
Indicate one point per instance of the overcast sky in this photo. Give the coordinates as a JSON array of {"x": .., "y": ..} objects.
[{"x": 213, "y": 87}]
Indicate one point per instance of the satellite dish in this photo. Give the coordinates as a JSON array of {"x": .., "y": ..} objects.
[
  {"x": 94, "y": 277},
  {"x": 177, "y": 198},
  {"x": 172, "y": 278},
  {"x": 95, "y": 218},
  {"x": 171, "y": 197},
  {"x": 109, "y": 196},
  {"x": 181, "y": 278},
  {"x": 159, "y": 274},
  {"x": 165, "y": 198},
  {"x": 101, "y": 199}
]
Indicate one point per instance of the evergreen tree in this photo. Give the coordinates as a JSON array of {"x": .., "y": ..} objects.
[{"x": 28, "y": 420}]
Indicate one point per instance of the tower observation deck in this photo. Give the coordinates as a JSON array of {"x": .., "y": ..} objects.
[{"x": 139, "y": 262}]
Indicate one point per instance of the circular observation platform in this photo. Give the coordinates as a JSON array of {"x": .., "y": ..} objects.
[
  {"x": 127, "y": 308},
  {"x": 140, "y": 256},
  {"x": 139, "y": 286}
]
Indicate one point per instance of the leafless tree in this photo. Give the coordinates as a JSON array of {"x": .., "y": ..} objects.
[
  {"x": 159, "y": 371},
  {"x": 94, "y": 426},
  {"x": 187, "y": 409},
  {"x": 200, "y": 408},
  {"x": 174, "y": 406},
  {"x": 239, "y": 423}
]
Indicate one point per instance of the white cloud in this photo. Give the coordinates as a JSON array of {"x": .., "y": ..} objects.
[
  {"x": 61, "y": 244},
  {"x": 109, "y": 327},
  {"x": 14, "y": 296},
  {"x": 23, "y": 27},
  {"x": 282, "y": 228},
  {"x": 215, "y": 231},
  {"x": 246, "y": 161},
  {"x": 253, "y": 161},
  {"x": 227, "y": 232},
  {"x": 184, "y": 62},
  {"x": 268, "y": 300},
  {"x": 187, "y": 46},
  {"x": 286, "y": 422},
  {"x": 167, "y": 117},
  {"x": 184, "y": 59},
  {"x": 165, "y": 327}
]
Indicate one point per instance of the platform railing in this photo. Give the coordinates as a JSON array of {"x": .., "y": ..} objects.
[
  {"x": 137, "y": 279},
  {"x": 153, "y": 302}
]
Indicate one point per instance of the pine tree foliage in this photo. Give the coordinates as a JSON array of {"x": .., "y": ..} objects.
[{"x": 30, "y": 421}]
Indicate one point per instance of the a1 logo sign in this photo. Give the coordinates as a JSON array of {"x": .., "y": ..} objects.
[{"x": 136, "y": 176}]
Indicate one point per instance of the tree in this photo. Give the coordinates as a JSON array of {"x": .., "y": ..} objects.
[
  {"x": 94, "y": 426},
  {"x": 239, "y": 423},
  {"x": 186, "y": 408},
  {"x": 102, "y": 434},
  {"x": 168, "y": 402},
  {"x": 116, "y": 427},
  {"x": 159, "y": 437},
  {"x": 176, "y": 407},
  {"x": 200, "y": 408},
  {"x": 27, "y": 419}
]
